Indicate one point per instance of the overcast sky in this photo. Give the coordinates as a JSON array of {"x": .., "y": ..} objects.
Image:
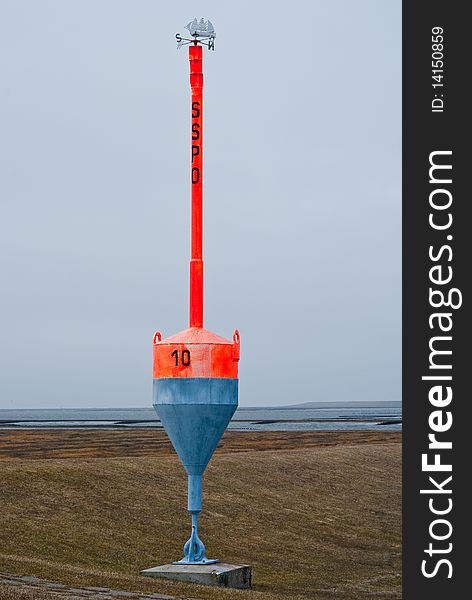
[{"x": 302, "y": 197}]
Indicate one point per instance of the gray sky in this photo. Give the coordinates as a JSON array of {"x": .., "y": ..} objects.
[{"x": 302, "y": 197}]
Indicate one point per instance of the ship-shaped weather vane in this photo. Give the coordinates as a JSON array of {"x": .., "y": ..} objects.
[{"x": 200, "y": 31}]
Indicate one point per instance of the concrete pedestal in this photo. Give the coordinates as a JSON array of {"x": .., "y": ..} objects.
[{"x": 224, "y": 574}]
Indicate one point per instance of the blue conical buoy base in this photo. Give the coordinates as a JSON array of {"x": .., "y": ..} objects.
[{"x": 195, "y": 412}]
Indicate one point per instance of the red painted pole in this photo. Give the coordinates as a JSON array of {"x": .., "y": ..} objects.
[{"x": 196, "y": 260}]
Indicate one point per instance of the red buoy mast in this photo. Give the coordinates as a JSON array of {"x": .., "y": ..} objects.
[{"x": 195, "y": 56}]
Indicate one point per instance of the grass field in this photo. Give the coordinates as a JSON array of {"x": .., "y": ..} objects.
[{"x": 317, "y": 514}]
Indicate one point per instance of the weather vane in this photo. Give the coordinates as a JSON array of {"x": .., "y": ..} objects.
[{"x": 199, "y": 30}]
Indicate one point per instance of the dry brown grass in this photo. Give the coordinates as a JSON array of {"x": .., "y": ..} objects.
[
  {"x": 318, "y": 523},
  {"x": 112, "y": 442},
  {"x": 10, "y": 592}
]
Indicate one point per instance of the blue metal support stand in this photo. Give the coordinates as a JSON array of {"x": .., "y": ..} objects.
[{"x": 194, "y": 549}]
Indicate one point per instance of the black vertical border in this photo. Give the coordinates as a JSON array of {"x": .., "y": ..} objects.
[{"x": 425, "y": 132}]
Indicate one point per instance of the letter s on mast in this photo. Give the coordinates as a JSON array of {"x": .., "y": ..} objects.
[{"x": 195, "y": 110}]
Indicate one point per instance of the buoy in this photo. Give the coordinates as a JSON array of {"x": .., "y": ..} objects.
[{"x": 195, "y": 386}]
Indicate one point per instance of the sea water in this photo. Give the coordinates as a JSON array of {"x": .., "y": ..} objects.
[{"x": 335, "y": 417}]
